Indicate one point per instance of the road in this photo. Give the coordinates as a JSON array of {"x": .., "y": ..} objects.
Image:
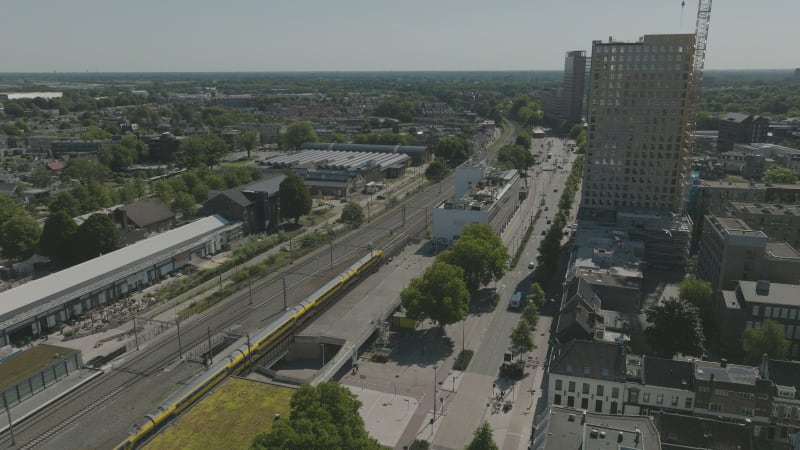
[
  {"x": 489, "y": 334},
  {"x": 101, "y": 414}
]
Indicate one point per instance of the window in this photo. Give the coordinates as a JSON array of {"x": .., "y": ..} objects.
[
  {"x": 557, "y": 399},
  {"x": 604, "y": 371},
  {"x": 598, "y": 406},
  {"x": 559, "y": 385},
  {"x": 569, "y": 368},
  {"x": 587, "y": 370},
  {"x": 600, "y": 389},
  {"x": 747, "y": 395},
  {"x": 584, "y": 403},
  {"x": 646, "y": 397},
  {"x": 714, "y": 407},
  {"x": 747, "y": 412},
  {"x": 660, "y": 399},
  {"x": 688, "y": 403},
  {"x": 614, "y": 392},
  {"x": 721, "y": 392},
  {"x": 633, "y": 396},
  {"x": 571, "y": 401},
  {"x": 674, "y": 400},
  {"x": 571, "y": 386},
  {"x": 585, "y": 389},
  {"x": 767, "y": 311}
]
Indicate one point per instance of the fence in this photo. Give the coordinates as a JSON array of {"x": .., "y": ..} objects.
[{"x": 39, "y": 382}]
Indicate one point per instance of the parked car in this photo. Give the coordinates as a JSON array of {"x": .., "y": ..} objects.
[
  {"x": 531, "y": 265},
  {"x": 381, "y": 197}
]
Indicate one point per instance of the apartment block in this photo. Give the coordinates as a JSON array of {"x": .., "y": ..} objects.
[
  {"x": 737, "y": 128},
  {"x": 658, "y": 384},
  {"x": 638, "y": 149},
  {"x": 778, "y": 221},
  {"x": 729, "y": 251},
  {"x": 733, "y": 393},
  {"x": 785, "y": 417},
  {"x": 750, "y": 304},
  {"x": 588, "y": 375},
  {"x": 575, "y": 65}
]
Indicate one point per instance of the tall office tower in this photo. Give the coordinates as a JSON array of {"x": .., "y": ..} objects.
[
  {"x": 574, "y": 82},
  {"x": 640, "y": 99}
]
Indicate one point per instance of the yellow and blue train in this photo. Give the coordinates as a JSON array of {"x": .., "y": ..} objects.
[{"x": 241, "y": 358}]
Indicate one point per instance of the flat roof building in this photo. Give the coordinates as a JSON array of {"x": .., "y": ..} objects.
[{"x": 38, "y": 306}]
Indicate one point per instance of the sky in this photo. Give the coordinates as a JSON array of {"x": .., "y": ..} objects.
[{"x": 371, "y": 35}]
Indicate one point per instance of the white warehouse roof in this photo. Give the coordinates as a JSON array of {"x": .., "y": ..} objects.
[{"x": 45, "y": 293}]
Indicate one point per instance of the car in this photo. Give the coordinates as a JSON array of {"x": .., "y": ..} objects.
[
  {"x": 531, "y": 265},
  {"x": 544, "y": 232},
  {"x": 547, "y": 208},
  {"x": 555, "y": 189},
  {"x": 549, "y": 221},
  {"x": 381, "y": 197}
]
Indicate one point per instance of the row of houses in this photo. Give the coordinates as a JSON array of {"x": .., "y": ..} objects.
[{"x": 603, "y": 378}]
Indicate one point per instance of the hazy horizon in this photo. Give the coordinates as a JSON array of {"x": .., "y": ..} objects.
[{"x": 281, "y": 36}]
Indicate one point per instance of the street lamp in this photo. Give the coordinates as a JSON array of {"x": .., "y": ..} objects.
[{"x": 434, "y": 393}]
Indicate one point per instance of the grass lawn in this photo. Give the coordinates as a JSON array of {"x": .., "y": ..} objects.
[
  {"x": 30, "y": 362},
  {"x": 229, "y": 418}
]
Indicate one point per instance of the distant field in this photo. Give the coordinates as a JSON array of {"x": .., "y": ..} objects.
[
  {"x": 229, "y": 418},
  {"x": 29, "y": 363}
]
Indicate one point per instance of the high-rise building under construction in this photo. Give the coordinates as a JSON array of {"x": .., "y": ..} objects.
[{"x": 639, "y": 113}]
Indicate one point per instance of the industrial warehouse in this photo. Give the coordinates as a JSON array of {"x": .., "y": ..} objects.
[{"x": 35, "y": 308}]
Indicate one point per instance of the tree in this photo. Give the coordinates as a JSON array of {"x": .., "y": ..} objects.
[
  {"x": 675, "y": 327},
  {"x": 201, "y": 150},
  {"x": 453, "y": 149},
  {"x": 295, "y": 199},
  {"x": 781, "y": 175},
  {"x": 248, "y": 139},
  {"x": 480, "y": 253},
  {"x": 41, "y": 178},
  {"x": 436, "y": 170},
  {"x": 521, "y": 336},
  {"x": 9, "y": 208},
  {"x": 184, "y": 203},
  {"x": 96, "y": 236},
  {"x": 439, "y": 295},
  {"x": 297, "y": 134},
  {"x": 86, "y": 169},
  {"x": 536, "y": 295},
  {"x": 353, "y": 214},
  {"x": 515, "y": 155},
  {"x": 65, "y": 201},
  {"x": 575, "y": 131},
  {"x": 58, "y": 237},
  {"x": 697, "y": 292},
  {"x": 769, "y": 338},
  {"x": 482, "y": 439},
  {"x": 325, "y": 416},
  {"x": 19, "y": 236},
  {"x": 531, "y": 313},
  {"x": 420, "y": 444},
  {"x": 523, "y": 140}
]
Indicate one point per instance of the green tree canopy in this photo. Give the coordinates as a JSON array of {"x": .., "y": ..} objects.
[
  {"x": 531, "y": 313},
  {"x": 439, "y": 295},
  {"x": 536, "y": 295},
  {"x": 201, "y": 150},
  {"x": 295, "y": 198},
  {"x": 41, "y": 177},
  {"x": 95, "y": 133},
  {"x": 96, "y": 236},
  {"x": 523, "y": 140},
  {"x": 297, "y": 134},
  {"x": 521, "y": 336},
  {"x": 86, "y": 170},
  {"x": 675, "y": 328},
  {"x": 516, "y": 156},
  {"x": 480, "y": 253},
  {"x": 781, "y": 175},
  {"x": 353, "y": 214},
  {"x": 697, "y": 292},
  {"x": 453, "y": 149},
  {"x": 19, "y": 236},
  {"x": 65, "y": 201},
  {"x": 769, "y": 338},
  {"x": 436, "y": 170},
  {"x": 482, "y": 439},
  {"x": 9, "y": 208},
  {"x": 184, "y": 203},
  {"x": 58, "y": 237},
  {"x": 321, "y": 417},
  {"x": 248, "y": 139}
]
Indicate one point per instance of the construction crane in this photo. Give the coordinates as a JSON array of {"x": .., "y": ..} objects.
[{"x": 696, "y": 86}]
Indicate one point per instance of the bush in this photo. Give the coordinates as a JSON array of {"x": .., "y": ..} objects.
[
  {"x": 495, "y": 299},
  {"x": 462, "y": 362},
  {"x": 513, "y": 371}
]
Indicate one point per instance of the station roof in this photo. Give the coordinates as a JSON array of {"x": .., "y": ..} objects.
[{"x": 43, "y": 294}]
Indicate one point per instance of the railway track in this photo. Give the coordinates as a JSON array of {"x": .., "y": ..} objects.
[{"x": 81, "y": 403}]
